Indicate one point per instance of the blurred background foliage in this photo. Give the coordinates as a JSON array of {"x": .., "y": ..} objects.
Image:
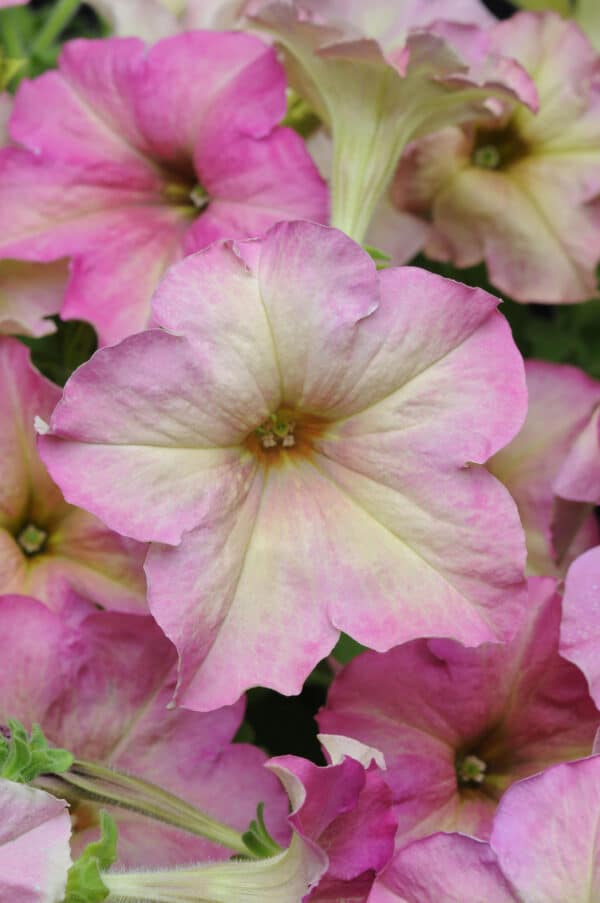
[{"x": 565, "y": 334}]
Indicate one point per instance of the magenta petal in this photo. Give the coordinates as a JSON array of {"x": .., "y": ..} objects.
[{"x": 448, "y": 867}]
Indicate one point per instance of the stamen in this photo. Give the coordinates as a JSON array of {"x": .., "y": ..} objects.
[
  {"x": 32, "y": 539},
  {"x": 471, "y": 770}
]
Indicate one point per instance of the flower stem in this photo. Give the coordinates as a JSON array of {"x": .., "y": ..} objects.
[
  {"x": 97, "y": 783},
  {"x": 57, "y": 21},
  {"x": 10, "y": 35}
]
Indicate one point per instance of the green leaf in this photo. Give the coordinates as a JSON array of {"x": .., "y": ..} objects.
[
  {"x": 346, "y": 649},
  {"x": 23, "y": 758},
  {"x": 84, "y": 880}
]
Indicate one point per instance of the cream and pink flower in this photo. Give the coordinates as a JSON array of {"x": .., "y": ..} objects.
[
  {"x": 99, "y": 686},
  {"x": 302, "y": 442},
  {"x": 380, "y": 75},
  {"x": 129, "y": 158},
  {"x": 49, "y": 548},
  {"x": 552, "y": 467},
  {"x": 458, "y": 726},
  {"x": 543, "y": 849},
  {"x": 152, "y": 20},
  {"x": 29, "y": 292},
  {"x": 520, "y": 192},
  {"x": 34, "y": 845}
]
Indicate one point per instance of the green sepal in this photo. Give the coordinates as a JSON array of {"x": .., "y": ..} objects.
[
  {"x": 257, "y": 838},
  {"x": 23, "y": 758},
  {"x": 8, "y": 69},
  {"x": 84, "y": 880},
  {"x": 381, "y": 259}
]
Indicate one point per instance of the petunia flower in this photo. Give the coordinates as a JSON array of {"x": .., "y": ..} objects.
[
  {"x": 302, "y": 441},
  {"x": 520, "y": 192},
  {"x": 580, "y": 628},
  {"x": 152, "y": 20},
  {"x": 343, "y": 836},
  {"x": 29, "y": 292},
  {"x": 543, "y": 849},
  {"x": 48, "y": 548},
  {"x": 34, "y": 845},
  {"x": 346, "y": 809},
  {"x": 549, "y": 466},
  {"x": 130, "y": 158},
  {"x": 458, "y": 726},
  {"x": 99, "y": 686},
  {"x": 380, "y": 75}
]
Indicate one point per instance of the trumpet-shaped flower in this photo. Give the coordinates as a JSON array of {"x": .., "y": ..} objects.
[
  {"x": 381, "y": 74},
  {"x": 458, "y": 726},
  {"x": 99, "y": 686},
  {"x": 345, "y": 809},
  {"x": 152, "y": 20},
  {"x": 130, "y": 158},
  {"x": 34, "y": 845},
  {"x": 543, "y": 849},
  {"x": 342, "y": 826},
  {"x": 48, "y": 547},
  {"x": 549, "y": 467},
  {"x": 302, "y": 441},
  {"x": 580, "y": 628},
  {"x": 29, "y": 292},
  {"x": 520, "y": 192}
]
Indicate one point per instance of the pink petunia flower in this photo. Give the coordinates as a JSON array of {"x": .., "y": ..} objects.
[
  {"x": 131, "y": 158},
  {"x": 458, "y": 726},
  {"x": 520, "y": 192},
  {"x": 34, "y": 845},
  {"x": 543, "y": 849},
  {"x": 552, "y": 467},
  {"x": 29, "y": 292},
  {"x": 152, "y": 20},
  {"x": 345, "y": 809},
  {"x": 99, "y": 686},
  {"x": 47, "y": 547},
  {"x": 580, "y": 627},
  {"x": 380, "y": 74},
  {"x": 341, "y": 823},
  {"x": 302, "y": 442}
]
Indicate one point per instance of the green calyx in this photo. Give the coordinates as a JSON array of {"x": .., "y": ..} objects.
[
  {"x": 23, "y": 758},
  {"x": 84, "y": 880},
  {"x": 257, "y": 838}
]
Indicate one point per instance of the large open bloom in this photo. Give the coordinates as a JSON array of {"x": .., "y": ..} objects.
[
  {"x": 379, "y": 74},
  {"x": 520, "y": 192},
  {"x": 48, "y": 547},
  {"x": 99, "y": 686},
  {"x": 457, "y": 726},
  {"x": 549, "y": 466},
  {"x": 34, "y": 845},
  {"x": 580, "y": 628},
  {"x": 130, "y": 158},
  {"x": 302, "y": 443},
  {"x": 543, "y": 849}
]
